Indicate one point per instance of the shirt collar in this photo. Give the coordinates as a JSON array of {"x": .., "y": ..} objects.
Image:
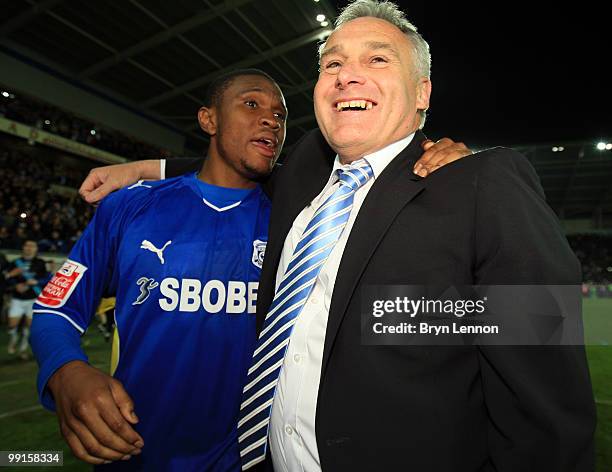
[{"x": 378, "y": 160}]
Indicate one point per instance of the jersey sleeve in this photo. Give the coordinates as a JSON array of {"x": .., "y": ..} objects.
[
  {"x": 54, "y": 343},
  {"x": 64, "y": 309},
  {"x": 75, "y": 290}
]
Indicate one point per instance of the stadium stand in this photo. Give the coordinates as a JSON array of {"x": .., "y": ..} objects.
[
  {"x": 41, "y": 115},
  {"x": 32, "y": 207}
]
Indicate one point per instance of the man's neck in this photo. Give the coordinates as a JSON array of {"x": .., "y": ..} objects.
[
  {"x": 349, "y": 155},
  {"x": 223, "y": 176}
]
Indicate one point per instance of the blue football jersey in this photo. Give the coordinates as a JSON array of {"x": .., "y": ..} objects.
[{"x": 183, "y": 259}]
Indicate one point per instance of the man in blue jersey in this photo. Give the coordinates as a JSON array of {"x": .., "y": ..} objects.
[{"x": 183, "y": 258}]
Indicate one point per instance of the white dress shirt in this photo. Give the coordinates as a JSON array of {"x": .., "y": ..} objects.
[{"x": 293, "y": 443}]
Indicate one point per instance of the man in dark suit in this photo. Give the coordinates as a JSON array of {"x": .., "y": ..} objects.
[{"x": 339, "y": 405}]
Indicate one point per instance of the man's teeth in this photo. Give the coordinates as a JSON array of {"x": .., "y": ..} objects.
[{"x": 363, "y": 104}]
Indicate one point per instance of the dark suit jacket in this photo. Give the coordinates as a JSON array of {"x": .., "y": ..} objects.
[{"x": 481, "y": 220}]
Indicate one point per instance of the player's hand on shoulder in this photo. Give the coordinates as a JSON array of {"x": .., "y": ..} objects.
[
  {"x": 438, "y": 154},
  {"x": 103, "y": 180},
  {"x": 95, "y": 414}
]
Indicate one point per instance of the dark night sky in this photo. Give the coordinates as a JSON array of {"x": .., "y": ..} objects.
[{"x": 517, "y": 72}]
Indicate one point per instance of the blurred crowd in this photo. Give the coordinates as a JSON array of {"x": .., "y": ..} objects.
[
  {"x": 30, "y": 210},
  {"x": 43, "y": 116},
  {"x": 595, "y": 254}
]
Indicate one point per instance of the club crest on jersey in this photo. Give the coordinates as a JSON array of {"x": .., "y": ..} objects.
[
  {"x": 259, "y": 251},
  {"x": 149, "y": 246},
  {"x": 58, "y": 290},
  {"x": 146, "y": 285}
]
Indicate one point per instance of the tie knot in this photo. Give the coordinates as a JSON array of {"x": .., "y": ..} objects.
[{"x": 356, "y": 177}]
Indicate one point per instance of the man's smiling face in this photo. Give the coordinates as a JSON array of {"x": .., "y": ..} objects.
[{"x": 368, "y": 92}]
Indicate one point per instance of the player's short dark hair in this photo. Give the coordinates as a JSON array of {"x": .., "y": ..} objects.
[{"x": 220, "y": 84}]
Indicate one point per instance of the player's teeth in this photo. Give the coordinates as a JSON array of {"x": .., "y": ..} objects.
[
  {"x": 354, "y": 103},
  {"x": 369, "y": 106},
  {"x": 339, "y": 106},
  {"x": 362, "y": 103}
]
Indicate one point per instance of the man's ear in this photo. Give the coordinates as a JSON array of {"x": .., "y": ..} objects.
[
  {"x": 207, "y": 117},
  {"x": 423, "y": 93}
]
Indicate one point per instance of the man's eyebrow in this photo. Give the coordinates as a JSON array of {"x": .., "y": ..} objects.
[
  {"x": 333, "y": 50},
  {"x": 374, "y": 45},
  {"x": 251, "y": 89},
  {"x": 259, "y": 89}
]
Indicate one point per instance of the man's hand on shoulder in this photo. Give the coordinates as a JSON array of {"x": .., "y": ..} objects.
[
  {"x": 438, "y": 154},
  {"x": 95, "y": 414},
  {"x": 103, "y": 180}
]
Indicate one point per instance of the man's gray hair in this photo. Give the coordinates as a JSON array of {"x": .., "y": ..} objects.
[{"x": 390, "y": 12}]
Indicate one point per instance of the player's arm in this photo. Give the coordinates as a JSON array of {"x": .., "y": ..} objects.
[
  {"x": 14, "y": 279},
  {"x": 12, "y": 272},
  {"x": 94, "y": 411},
  {"x": 103, "y": 180},
  {"x": 539, "y": 398}
]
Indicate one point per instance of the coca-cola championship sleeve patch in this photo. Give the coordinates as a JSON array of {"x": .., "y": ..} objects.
[{"x": 60, "y": 287}]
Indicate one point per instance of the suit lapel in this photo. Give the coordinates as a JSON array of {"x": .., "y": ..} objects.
[{"x": 391, "y": 192}]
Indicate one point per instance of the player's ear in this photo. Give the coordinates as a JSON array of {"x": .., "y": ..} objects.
[{"x": 207, "y": 117}]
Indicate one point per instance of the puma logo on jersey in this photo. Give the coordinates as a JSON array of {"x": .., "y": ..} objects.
[
  {"x": 146, "y": 285},
  {"x": 148, "y": 245},
  {"x": 139, "y": 184}
]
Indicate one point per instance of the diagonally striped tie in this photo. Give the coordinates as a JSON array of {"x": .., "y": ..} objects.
[{"x": 309, "y": 256}]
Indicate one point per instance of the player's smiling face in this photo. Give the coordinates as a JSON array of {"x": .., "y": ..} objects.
[{"x": 247, "y": 127}]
